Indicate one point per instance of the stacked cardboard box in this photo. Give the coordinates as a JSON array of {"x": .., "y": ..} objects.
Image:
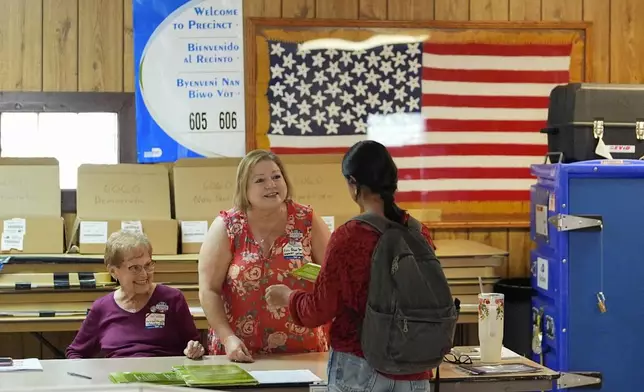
[
  {"x": 30, "y": 206},
  {"x": 125, "y": 196},
  {"x": 202, "y": 188}
]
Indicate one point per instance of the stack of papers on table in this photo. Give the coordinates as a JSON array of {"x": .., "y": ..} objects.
[
  {"x": 285, "y": 376},
  {"x": 23, "y": 364},
  {"x": 216, "y": 375},
  {"x": 475, "y": 353}
]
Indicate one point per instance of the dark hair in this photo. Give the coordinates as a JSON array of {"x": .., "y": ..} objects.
[{"x": 368, "y": 164}]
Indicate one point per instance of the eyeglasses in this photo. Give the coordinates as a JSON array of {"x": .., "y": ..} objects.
[
  {"x": 138, "y": 269},
  {"x": 460, "y": 360}
]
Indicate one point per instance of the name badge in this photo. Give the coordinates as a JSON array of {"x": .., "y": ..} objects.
[
  {"x": 154, "y": 320},
  {"x": 293, "y": 250}
]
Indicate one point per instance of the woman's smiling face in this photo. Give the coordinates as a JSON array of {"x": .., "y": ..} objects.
[{"x": 266, "y": 186}]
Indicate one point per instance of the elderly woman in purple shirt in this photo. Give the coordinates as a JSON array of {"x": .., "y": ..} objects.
[{"x": 141, "y": 318}]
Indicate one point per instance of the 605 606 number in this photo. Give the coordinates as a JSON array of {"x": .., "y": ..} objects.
[
  {"x": 198, "y": 121},
  {"x": 228, "y": 120}
]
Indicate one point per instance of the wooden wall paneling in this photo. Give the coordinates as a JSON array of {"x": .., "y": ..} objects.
[
  {"x": 598, "y": 12},
  {"x": 21, "y": 45},
  {"x": 489, "y": 10},
  {"x": 337, "y": 9},
  {"x": 450, "y": 234},
  {"x": 451, "y": 9},
  {"x": 298, "y": 9},
  {"x": 558, "y": 10},
  {"x": 525, "y": 10},
  {"x": 128, "y": 47},
  {"x": 372, "y": 9},
  {"x": 263, "y": 8},
  {"x": 626, "y": 41},
  {"x": 410, "y": 10},
  {"x": 100, "y": 45},
  {"x": 60, "y": 45},
  {"x": 519, "y": 246}
]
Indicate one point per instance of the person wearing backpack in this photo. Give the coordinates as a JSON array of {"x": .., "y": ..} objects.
[{"x": 381, "y": 285}]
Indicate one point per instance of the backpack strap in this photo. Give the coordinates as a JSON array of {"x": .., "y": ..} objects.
[
  {"x": 381, "y": 223},
  {"x": 378, "y": 222}
]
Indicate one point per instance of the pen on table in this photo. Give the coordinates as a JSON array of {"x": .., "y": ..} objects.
[{"x": 79, "y": 375}]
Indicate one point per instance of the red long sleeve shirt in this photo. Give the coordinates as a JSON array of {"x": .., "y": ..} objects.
[{"x": 341, "y": 290}]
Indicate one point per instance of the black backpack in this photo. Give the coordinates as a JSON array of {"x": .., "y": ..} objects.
[{"x": 410, "y": 319}]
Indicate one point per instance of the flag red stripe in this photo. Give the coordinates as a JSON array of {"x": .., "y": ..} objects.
[
  {"x": 494, "y": 76},
  {"x": 447, "y": 196},
  {"x": 429, "y": 150},
  {"x": 473, "y": 101},
  {"x": 483, "y": 126},
  {"x": 497, "y": 50},
  {"x": 464, "y": 173}
]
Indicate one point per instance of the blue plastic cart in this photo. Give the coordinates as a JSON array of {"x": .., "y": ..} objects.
[{"x": 587, "y": 220}]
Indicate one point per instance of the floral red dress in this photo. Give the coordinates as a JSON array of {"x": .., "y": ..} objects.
[{"x": 265, "y": 330}]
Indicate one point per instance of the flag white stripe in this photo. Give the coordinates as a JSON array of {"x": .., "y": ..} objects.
[
  {"x": 500, "y": 184},
  {"x": 501, "y": 63},
  {"x": 411, "y": 139},
  {"x": 467, "y": 161},
  {"x": 488, "y": 89},
  {"x": 492, "y": 114}
]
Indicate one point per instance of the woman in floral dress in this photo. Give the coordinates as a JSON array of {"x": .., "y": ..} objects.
[{"x": 254, "y": 245}]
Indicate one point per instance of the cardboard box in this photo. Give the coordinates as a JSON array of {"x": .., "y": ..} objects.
[
  {"x": 30, "y": 202},
  {"x": 318, "y": 181},
  {"x": 32, "y": 235},
  {"x": 202, "y": 188},
  {"x": 124, "y": 196}
]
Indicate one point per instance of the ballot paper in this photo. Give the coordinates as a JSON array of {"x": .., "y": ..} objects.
[
  {"x": 22, "y": 365},
  {"x": 285, "y": 376},
  {"x": 309, "y": 271}
]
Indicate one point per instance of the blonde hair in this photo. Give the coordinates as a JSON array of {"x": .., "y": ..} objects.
[
  {"x": 244, "y": 170},
  {"x": 125, "y": 243}
]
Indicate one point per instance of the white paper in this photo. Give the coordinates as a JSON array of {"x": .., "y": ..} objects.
[
  {"x": 602, "y": 150},
  {"x": 284, "y": 376},
  {"x": 506, "y": 353},
  {"x": 541, "y": 220},
  {"x": 22, "y": 364},
  {"x": 11, "y": 241},
  {"x": 330, "y": 221},
  {"x": 15, "y": 225},
  {"x": 196, "y": 310},
  {"x": 193, "y": 232},
  {"x": 134, "y": 226},
  {"x": 542, "y": 273},
  {"x": 93, "y": 232}
]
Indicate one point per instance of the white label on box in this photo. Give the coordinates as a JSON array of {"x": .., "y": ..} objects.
[
  {"x": 93, "y": 232},
  {"x": 134, "y": 226},
  {"x": 542, "y": 273},
  {"x": 12, "y": 241},
  {"x": 541, "y": 220},
  {"x": 330, "y": 221},
  {"x": 15, "y": 225},
  {"x": 552, "y": 203},
  {"x": 193, "y": 232}
]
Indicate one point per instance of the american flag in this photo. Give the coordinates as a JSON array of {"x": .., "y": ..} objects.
[{"x": 480, "y": 106}]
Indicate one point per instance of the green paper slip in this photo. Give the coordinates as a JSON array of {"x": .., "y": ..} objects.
[
  {"x": 162, "y": 378},
  {"x": 309, "y": 271},
  {"x": 202, "y": 375}
]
